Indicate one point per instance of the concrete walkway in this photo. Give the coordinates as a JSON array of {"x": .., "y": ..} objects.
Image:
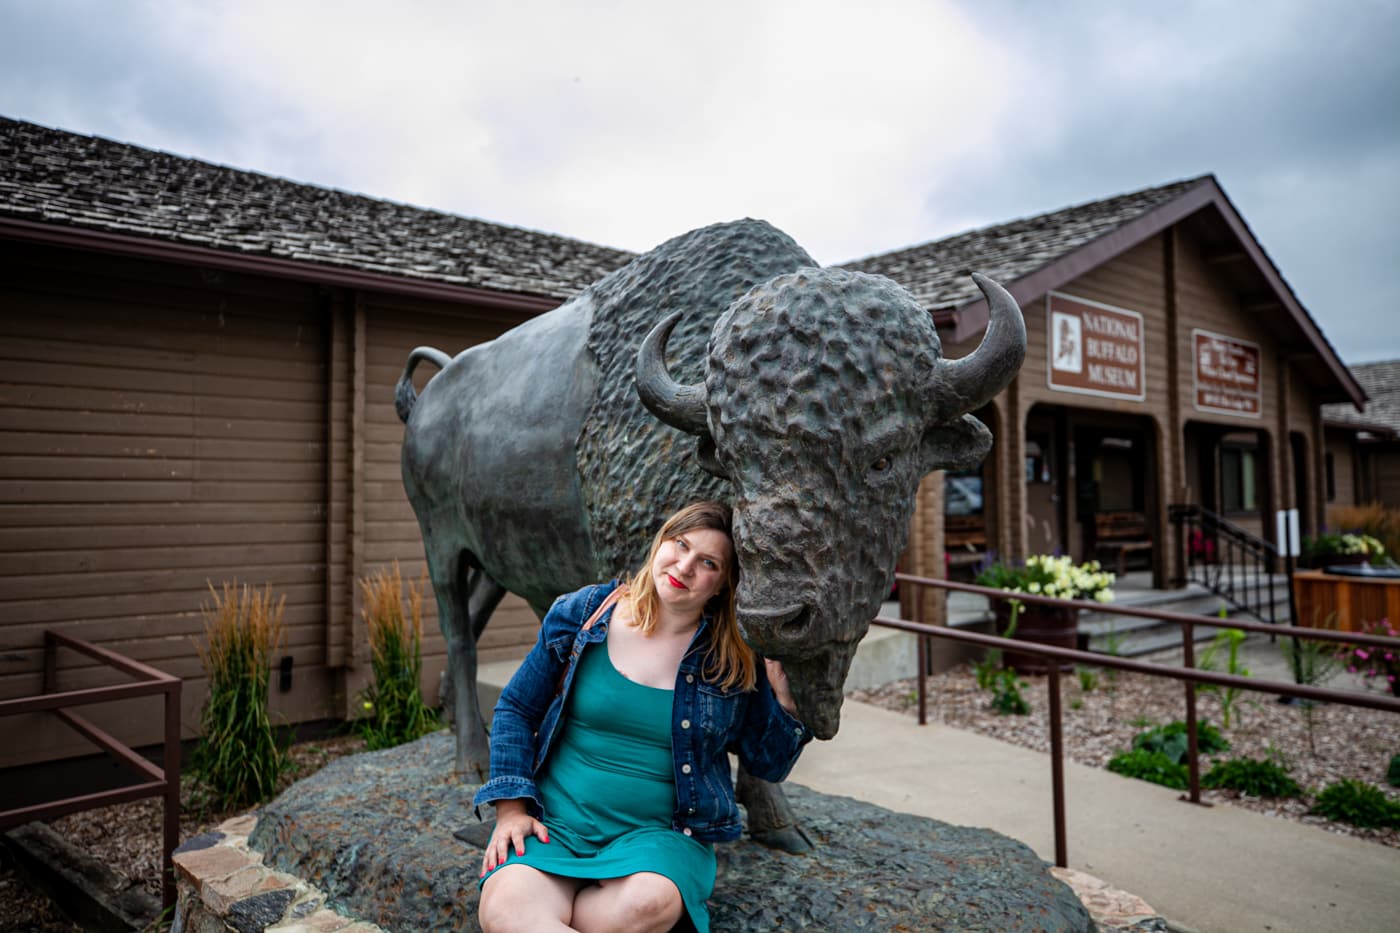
[{"x": 1211, "y": 869}]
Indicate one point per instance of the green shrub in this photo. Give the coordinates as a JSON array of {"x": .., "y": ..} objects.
[
  {"x": 1171, "y": 740},
  {"x": 1006, "y": 695},
  {"x": 1146, "y": 765},
  {"x": 394, "y": 709},
  {"x": 1359, "y": 804},
  {"x": 1252, "y": 776},
  {"x": 1392, "y": 775},
  {"x": 237, "y": 758}
]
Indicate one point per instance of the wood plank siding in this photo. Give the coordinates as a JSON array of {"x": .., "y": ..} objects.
[{"x": 164, "y": 427}]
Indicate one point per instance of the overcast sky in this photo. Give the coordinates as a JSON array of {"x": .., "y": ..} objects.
[{"x": 856, "y": 127}]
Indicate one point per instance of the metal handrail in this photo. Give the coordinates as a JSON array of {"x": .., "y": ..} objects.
[
  {"x": 156, "y": 781},
  {"x": 1186, "y": 674},
  {"x": 1239, "y": 567}
]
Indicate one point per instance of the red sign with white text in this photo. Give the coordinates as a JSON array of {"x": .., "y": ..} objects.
[
  {"x": 1227, "y": 374},
  {"x": 1095, "y": 349}
]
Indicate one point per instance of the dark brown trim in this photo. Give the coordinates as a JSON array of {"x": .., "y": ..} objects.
[
  {"x": 972, "y": 317},
  {"x": 148, "y": 248}
]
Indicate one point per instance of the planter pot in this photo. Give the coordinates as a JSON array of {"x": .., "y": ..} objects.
[{"x": 1044, "y": 625}]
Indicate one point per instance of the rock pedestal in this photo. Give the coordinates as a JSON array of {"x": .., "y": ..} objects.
[{"x": 381, "y": 834}]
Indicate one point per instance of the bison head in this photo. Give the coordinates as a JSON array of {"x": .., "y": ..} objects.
[{"x": 826, "y": 399}]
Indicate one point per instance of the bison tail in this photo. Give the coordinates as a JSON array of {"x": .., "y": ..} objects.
[{"x": 404, "y": 394}]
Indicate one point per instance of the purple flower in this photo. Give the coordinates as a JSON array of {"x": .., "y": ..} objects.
[{"x": 1363, "y": 654}]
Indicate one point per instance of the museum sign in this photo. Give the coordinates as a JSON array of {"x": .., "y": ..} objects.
[
  {"x": 1095, "y": 349},
  {"x": 1227, "y": 374}
]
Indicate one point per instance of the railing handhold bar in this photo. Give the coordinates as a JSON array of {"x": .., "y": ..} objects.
[
  {"x": 124, "y": 664},
  {"x": 1181, "y": 618},
  {"x": 51, "y": 701},
  {"x": 111, "y": 745},
  {"x": 48, "y": 811},
  {"x": 1278, "y": 688}
]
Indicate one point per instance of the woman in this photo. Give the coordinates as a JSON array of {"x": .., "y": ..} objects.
[{"x": 609, "y": 766}]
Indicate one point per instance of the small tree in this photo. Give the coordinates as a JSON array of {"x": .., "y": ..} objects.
[
  {"x": 237, "y": 758},
  {"x": 394, "y": 709}
]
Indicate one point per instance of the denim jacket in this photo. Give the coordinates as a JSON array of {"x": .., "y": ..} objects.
[{"x": 707, "y": 722}]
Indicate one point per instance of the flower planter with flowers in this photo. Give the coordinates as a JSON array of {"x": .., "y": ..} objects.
[
  {"x": 1044, "y": 575},
  {"x": 1333, "y": 549},
  {"x": 1380, "y": 666}
]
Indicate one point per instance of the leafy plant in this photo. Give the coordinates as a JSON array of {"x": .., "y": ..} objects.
[
  {"x": 987, "y": 668},
  {"x": 1357, "y": 803},
  {"x": 1088, "y": 678},
  {"x": 1230, "y": 640},
  {"x": 394, "y": 709},
  {"x": 237, "y": 758},
  {"x": 1153, "y": 766},
  {"x": 1006, "y": 695},
  {"x": 1392, "y": 774},
  {"x": 1313, "y": 663},
  {"x": 1171, "y": 740},
  {"x": 1373, "y": 519},
  {"x": 1252, "y": 776}
]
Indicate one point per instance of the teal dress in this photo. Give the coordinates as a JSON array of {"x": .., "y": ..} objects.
[{"x": 609, "y": 793}]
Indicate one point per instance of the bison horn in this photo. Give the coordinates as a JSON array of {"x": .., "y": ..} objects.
[
  {"x": 976, "y": 378},
  {"x": 679, "y": 406}
]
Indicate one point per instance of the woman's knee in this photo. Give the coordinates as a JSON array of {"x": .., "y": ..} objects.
[
  {"x": 653, "y": 900},
  {"x": 517, "y": 897}
]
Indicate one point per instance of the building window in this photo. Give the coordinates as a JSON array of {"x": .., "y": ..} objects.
[
  {"x": 962, "y": 492},
  {"x": 1239, "y": 486},
  {"x": 1331, "y": 470}
]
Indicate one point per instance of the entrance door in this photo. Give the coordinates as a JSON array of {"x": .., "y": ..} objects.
[{"x": 1045, "y": 483}]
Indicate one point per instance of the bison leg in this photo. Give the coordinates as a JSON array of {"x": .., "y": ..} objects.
[
  {"x": 466, "y": 599},
  {"x": 771, "y": 820}
]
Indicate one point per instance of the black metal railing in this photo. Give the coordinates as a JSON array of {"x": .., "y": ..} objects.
[
  {"x": 1237, "y": 566},
  {"x": 1187, "y": 674}
]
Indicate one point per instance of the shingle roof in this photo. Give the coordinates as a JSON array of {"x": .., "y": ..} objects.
[
  {"x": 937, "y": 272},
  {"x": 60, "y": 178},
  {"x": 1382, "y": 383}
]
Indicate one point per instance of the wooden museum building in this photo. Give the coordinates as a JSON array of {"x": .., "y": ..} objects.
[{"x": 196, "y": 371}]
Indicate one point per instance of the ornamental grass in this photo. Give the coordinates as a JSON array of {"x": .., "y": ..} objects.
[
  {"x": 237, "y": 758},
  {"x": 1373, "y": 519},
  {"x": 394, "y": 711}
]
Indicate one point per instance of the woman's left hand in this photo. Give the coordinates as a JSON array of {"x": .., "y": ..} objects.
[{"x": 777, "y": 679}]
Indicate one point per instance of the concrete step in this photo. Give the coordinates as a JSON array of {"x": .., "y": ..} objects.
[{"x": 1130, "y": 636}]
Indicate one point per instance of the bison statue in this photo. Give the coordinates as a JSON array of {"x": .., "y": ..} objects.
[{"x": 722, "y": 364}]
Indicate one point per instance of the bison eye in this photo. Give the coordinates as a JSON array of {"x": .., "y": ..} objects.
[{"x": 883, "y": 464}]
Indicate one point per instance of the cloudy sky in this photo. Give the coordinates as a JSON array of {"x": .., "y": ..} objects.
[{"x": 857, "y": 127}]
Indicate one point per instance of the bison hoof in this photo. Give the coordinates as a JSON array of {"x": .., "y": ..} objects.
[{"x": 790, "y": 839}]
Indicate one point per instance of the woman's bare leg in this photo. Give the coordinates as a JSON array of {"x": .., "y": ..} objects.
[
  {"x": 642, "y": 903},
  {"x": 518, "y": 897}
]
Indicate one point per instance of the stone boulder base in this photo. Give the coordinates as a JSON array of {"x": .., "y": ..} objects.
[{"x": 375, "y": 832}]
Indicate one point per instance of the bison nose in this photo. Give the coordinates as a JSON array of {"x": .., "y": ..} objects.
[{"x": 776, "y": 632}]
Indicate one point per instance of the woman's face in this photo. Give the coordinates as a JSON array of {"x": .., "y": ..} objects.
[{"x": 689, "y": 568}]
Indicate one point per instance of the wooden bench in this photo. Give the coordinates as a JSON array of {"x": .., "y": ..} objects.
[
  {"x": 1121, "y": 533},
  {"x": 964, "y": 540}
]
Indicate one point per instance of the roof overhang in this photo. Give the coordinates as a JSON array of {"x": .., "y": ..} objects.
[
  {"x": 318, "y": 273},
  {"x": 1357, "y": 426},
  {"x": 970, "y": 319}
]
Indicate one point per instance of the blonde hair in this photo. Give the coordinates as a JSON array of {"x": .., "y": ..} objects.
[{"x": 729, "y": 661}]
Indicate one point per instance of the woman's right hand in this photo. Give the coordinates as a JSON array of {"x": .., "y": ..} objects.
[{"x": 513, "y": 824}]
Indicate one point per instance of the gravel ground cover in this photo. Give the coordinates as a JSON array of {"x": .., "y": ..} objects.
[
  {"x": 1346, "y": 742},
  {"x": 127, "y": 837}
]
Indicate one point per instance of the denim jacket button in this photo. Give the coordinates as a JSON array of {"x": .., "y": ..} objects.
[
  {"x": 690, "y": 678},
  {"x": 686, "y": 830},
  {"x": 685, "y": 769},
  {"x": 685, "y": 723}
]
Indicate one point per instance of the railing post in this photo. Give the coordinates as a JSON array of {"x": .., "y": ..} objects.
[
  {"x": 921, "y": 644},
  {"x": 1057, "y": 764},
  {"x": 50, "y": 662},
  {"x": 172, "y": 796},
  {"x": 1193, "y": 761}
]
